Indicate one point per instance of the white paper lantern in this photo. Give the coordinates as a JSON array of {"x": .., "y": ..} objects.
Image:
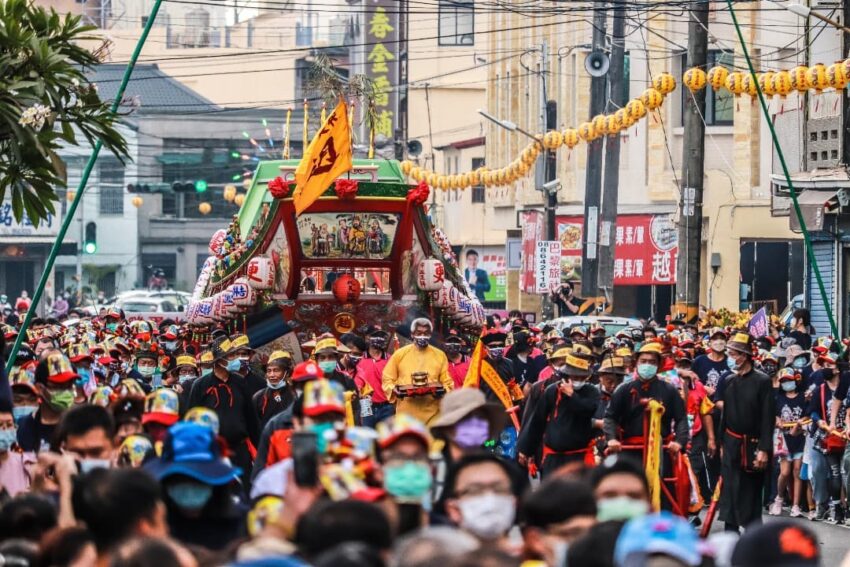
[
  {"x": 227, "y": 302},
  {"x": 216, "y": 241},
  {"x": 204, "y": 311},
  {"x": 261, "y": 273},
  {"x": 445, "y": 297},
  {"x": 243, "y": 293},
  {"x": 430, "y": 275}
]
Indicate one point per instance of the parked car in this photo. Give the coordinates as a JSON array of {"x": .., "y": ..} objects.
[
  {"x": 611, "y": 324},
  {"x": 155, "y": 305}
]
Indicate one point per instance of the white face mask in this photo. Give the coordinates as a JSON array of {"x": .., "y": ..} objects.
[{"x": 487, "y": 516}]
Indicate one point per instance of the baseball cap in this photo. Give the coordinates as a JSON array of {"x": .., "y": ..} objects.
[
  {"x": 658, "y": 534},
  {"x": 777, "y": 544}
]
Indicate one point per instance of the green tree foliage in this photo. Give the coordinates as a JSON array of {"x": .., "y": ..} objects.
[{"x": 46, "y": 101}]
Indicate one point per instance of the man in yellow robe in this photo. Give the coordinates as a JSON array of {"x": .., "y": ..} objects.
[{"x": 419, "y": 357}]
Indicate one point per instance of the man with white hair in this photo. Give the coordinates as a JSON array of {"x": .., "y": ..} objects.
[{"x": 417, "y": 375}]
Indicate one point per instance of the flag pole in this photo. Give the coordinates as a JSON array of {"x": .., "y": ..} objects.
[{"x": 69, "y": 216}]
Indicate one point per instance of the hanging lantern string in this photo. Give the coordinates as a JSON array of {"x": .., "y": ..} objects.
[{"x": 802, "y": 79}]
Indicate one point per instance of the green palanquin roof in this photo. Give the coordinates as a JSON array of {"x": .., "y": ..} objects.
[{"x": 391, "y": 183}]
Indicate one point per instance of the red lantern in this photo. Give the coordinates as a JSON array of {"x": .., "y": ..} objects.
[{"x": 346, "y": 289}]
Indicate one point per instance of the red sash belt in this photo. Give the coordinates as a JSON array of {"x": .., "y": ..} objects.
[{"x": 588, "y": 453}]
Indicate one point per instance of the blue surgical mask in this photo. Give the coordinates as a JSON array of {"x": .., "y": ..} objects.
[
  {"x": 183, "y": 378},
  {"x": 146, "y": 371},
  {"x": 646, "y": 371},
  {"x": 324, "y": 432},
  {"x": 111, "y": 327},
  {"x": 170, "y": 345},
  {"x": 20, "y": 412},
  {"x": 7, "y": 438},
  {"x": 234, "y": 365},
  {"x": 328, "y": 366},
  {"x": 788, "y": 386},
  {"x": 731, "y": 364},
  {"x": 799, "y": 362},
  {"x": 190, "y": 495},
  {"x": 88, "y": 465},
  {"x": 620, "y": 508},
  {"x": 206, "y": 372},
  {"x": 277, "y": 386}
]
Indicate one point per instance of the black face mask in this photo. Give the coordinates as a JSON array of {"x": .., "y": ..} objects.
[
  {"x": 452, "y": 349},
  {"x": 597, "y": 341}
]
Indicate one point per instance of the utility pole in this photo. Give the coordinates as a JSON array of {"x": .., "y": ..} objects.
[
  {"x": 543, "y": 173},
  {"x": 401, "y": 132},
  {"x": 610, "y": 188},
  {"x": 688, "y": 276},
  {"x": 593, "y": 177}
]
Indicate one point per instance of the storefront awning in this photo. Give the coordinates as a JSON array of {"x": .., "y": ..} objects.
[{"x": 813, "y": 205}]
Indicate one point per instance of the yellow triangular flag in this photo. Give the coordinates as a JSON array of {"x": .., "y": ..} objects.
[
  {"x": 327, "y": 157},
  {"x": 473, "y": 374}
]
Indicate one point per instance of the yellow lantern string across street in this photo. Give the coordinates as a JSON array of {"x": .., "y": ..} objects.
[
  {"x": 613, "y": 125},
  {"x": 553, "y": 140},
  {"x": 636, "y": 109},
  {"x": 137, "y": 201},
  {"x": 205, "y": 208},
  {"x": 695, "y": 79},
  {"x": 229, "y": 192},
  {"x": 475, "y": 177},
  {"x": 846, "y": 65},
  {"x": 782, "y": 83},
  {"x": 717, "y": 77},
  {"x": 416, "y": 173},
  {"x": 431, "y": 179},
  {"x": 750, "y": 85},
  {"x": 800, "y": 78},
  {"x": 599, "y": 124},
  {"x": 817, "y": 78},
  {"x": 766, "y": 83},
  {"x": 571, "y": 138},
  {"x": 735, "y": 83},
  {"x": 664, "y": 83},
  {"x": 586, "y": 131},
  {"x": 836, "y": 74},
  {"x": 239, "y": 199},
  {"x": 651, "y": 99},
  {"x": 406, "y": 166},
  {"x": 624, "y": 118}
]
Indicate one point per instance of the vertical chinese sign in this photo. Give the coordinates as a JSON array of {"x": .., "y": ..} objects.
[
  {"x": 532, "y": 231},
  {"x": 547, "y": 265},
  {"x": 381, "y": 50}
]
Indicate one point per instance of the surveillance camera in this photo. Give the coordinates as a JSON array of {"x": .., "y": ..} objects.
[{"x": 552, "y": 186}]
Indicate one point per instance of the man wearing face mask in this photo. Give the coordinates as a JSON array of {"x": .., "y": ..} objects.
[
  {"x": 327, "y": 355},
  {"x": 597, "y": 339},
  {"x": 711, "y": 366},
  {"x": 241, "y": 351},
  {"x": 169, "y": 339},
  {"x": 415, "y": 363},
  {"x": 24, "y": 392},
  {"x": 481, "y": 498},
  {"x": 356, "y": 346},
  {"x": 374, "y": 406},
  {"x": 746, "y": 436},
  {"x": 629, "y": 402},
  {"x": 87, "y": 432},
  {"x": 145, "y": 369},
  {"x": 278, "y": 394},
  {"x": 620, "y": 488},
  {"x": 181, "y": 376},
  {"x": 162, "y": 410},
  {"x": 408, "y": 478},
  {"x": 458, "y": 361},
  {"x": 611, "y": 374},
  {"x": 54, "y": 380},
  {"x": 526, "y": 362},
  {"x": 563, "y": 420},
  {"x": 466, "y": 422},
  {"x": 225, "y": 392}
]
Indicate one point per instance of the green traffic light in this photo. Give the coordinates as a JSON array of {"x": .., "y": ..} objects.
[
  {"x": 90, "y": 247},
  {"x": 200, "y": 186}
]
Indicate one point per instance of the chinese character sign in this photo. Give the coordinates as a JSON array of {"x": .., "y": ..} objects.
[
  {"x": 758, "y": 324},
  {"x": 10, "y": 227},
  {"x": 532, "y": 231},
  {"x": 645, "y": 249},
  {"x": 381, "y": 54},
  {"x": 547, "y": 265}
]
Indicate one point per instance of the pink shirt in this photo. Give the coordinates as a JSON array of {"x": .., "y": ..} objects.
[
  {"x": 14, "y": 473},
  {"x": 369, "y": 371}
]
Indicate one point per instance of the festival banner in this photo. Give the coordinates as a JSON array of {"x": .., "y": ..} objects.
[
  {"x": 532, "y": 231},
  {"x": 758, "y": 323}
]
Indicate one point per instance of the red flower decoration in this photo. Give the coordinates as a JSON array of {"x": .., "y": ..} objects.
[
  {"x": 346, "y": 188},
  {"x": 278, "y": 188},
  {"x": 418, "y": 195}
]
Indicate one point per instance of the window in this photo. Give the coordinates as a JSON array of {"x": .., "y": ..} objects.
[
  {"x": 719, "y": 105},
  {"x": 478, "y": 192},
  {"x": 457, "y": 22},
  {"x": 111, "y": 187}
]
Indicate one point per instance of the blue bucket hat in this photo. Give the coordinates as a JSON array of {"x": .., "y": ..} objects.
[
  {"x": 191, "y": 449},
  {"x": 662, "y": 533}
]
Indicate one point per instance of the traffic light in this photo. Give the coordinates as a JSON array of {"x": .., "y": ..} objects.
[
  {"x": 90, "y": 243},
  {"x": 139, "y": 188},
  {"x": 198, "y": 186}
]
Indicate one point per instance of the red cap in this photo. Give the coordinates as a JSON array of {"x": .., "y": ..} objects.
[{"x": 306, "y": 371}]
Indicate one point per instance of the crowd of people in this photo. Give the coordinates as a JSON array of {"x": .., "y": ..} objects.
[{"x": 133, "y": 443}]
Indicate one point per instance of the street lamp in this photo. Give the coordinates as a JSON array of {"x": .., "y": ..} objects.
[
  {"x": 507, "y": 125},
  {"x": 806, "y": 12}
]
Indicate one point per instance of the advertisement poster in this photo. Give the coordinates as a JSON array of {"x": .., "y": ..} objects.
[
  {"x": 532, "y": 231},
  {"x": 490, "y": 263},
  {"x": 645, "y": 249},
  {"x": 547, "y": 265}
]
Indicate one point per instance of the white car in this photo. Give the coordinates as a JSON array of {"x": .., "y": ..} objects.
[
  {"x": 611, "y": 324},
  {"x": 143, "y": 304}
]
